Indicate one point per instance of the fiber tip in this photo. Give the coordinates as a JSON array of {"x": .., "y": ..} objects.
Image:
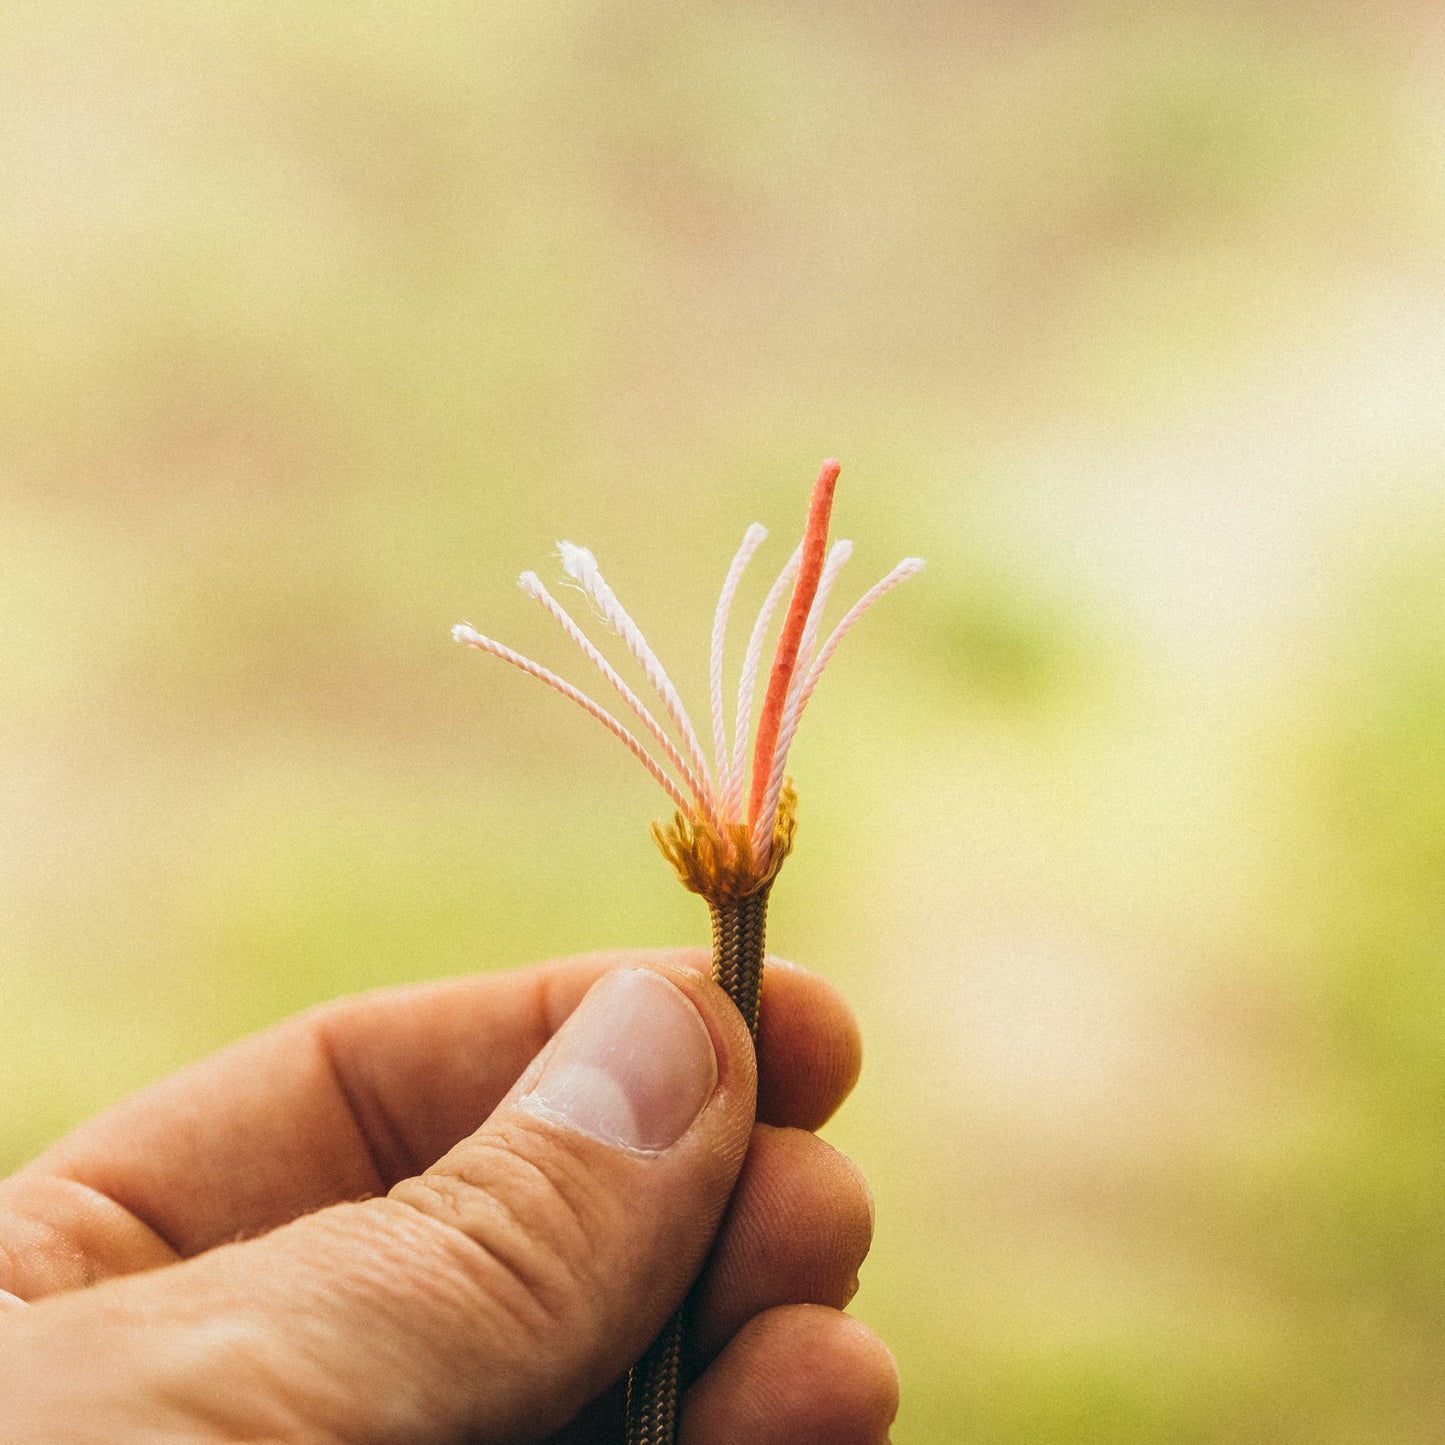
[
  {"x": 530, "y": 583},
  {"x": 912, "y": 566},
  {"x": 464, "y": 632},
  {"x": 820, "y": 503},
  {"x": 576, "y": 560}
]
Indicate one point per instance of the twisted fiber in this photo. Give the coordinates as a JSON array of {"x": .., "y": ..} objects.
[{"x": 654, "y": 1384}]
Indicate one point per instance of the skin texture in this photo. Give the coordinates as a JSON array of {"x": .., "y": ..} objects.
[{"x": 345, "y": 1229}]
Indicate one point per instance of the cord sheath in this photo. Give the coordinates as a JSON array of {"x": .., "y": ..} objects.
[{"x": 654, "y": 1384}]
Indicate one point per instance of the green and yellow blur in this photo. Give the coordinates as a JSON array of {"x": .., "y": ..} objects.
[{"x": 1123, "y": 827}]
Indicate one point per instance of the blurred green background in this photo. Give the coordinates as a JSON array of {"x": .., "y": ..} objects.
[{"x": 1123, "y": 827}]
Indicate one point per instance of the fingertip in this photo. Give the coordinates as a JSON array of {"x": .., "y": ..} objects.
[
  {"x": 797, "y": 1375},
  {"x": 797, "y": 1232},
  {"x": 736, "y": 1061},
  {"x": 810, "y": 1050}
]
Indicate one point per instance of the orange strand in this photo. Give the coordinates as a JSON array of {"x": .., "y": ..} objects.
[{"x": 785, "y": 659}]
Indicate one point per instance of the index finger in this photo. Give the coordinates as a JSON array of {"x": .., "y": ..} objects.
[{"x": 346, "y": 1100}]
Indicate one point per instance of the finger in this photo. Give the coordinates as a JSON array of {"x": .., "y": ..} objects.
[
  {"x": 56, "y": 1233},
  {"x": 796, "y": 1232},
  {"x": 416, "y": 1099},
  {"x": 489, "y": 1298},
  {"x": 797, "y": 1229},
  {"x": 809, "y": 1049},
  {"x": 800, "y": 1375},
  {"x": 342, "y": 1102}
]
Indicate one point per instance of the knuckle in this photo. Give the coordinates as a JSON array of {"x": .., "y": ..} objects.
[{"x": 525, "y": 1218}]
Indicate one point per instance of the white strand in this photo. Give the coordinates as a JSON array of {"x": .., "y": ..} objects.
[
  {"x": 534, "y": 587},
  {"x": 470, "y": 637},
  {"x": 908, "y": 567},
  {"x": 753, "y": 538},
  {"x": 838, "y": 556},
  {"x": 732, "y": 804},
  {"x": 581, "y": 566}
]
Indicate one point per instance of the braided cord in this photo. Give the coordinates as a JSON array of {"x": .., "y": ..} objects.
[
  {"x": 738, "y": 931},
  {"x": 654, "y": 1387}
]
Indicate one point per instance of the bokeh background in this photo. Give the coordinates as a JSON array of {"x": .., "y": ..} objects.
[{"x": 1123, "y": 827}]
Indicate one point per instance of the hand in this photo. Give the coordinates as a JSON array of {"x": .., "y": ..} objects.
[{"x": 308, "y": 1238}]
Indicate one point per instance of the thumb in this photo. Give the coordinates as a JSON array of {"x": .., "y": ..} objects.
[{"x": 488, "y": 1299}]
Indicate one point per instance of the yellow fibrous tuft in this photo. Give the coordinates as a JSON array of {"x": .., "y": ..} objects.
[{"x": 721, "y": 865}]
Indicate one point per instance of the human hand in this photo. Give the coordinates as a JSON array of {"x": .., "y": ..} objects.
[{"x": 200, "y": 1269}]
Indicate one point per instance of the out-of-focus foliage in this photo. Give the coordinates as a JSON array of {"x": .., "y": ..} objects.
[{"x": 1124, "y": 827}]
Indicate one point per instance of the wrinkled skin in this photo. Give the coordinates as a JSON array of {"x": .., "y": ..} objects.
[{"x": 342, "y": 1230}]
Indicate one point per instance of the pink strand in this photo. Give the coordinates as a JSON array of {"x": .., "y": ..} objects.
[
  {"x": 470, "y": 637},
  {"x": 753, "y": 538},
  {"x": 732, "y": 803},
  {"x": 581, "y": 566},
  {"x": 909, "y": 567},
  {"x": 534, "y": 587}
]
